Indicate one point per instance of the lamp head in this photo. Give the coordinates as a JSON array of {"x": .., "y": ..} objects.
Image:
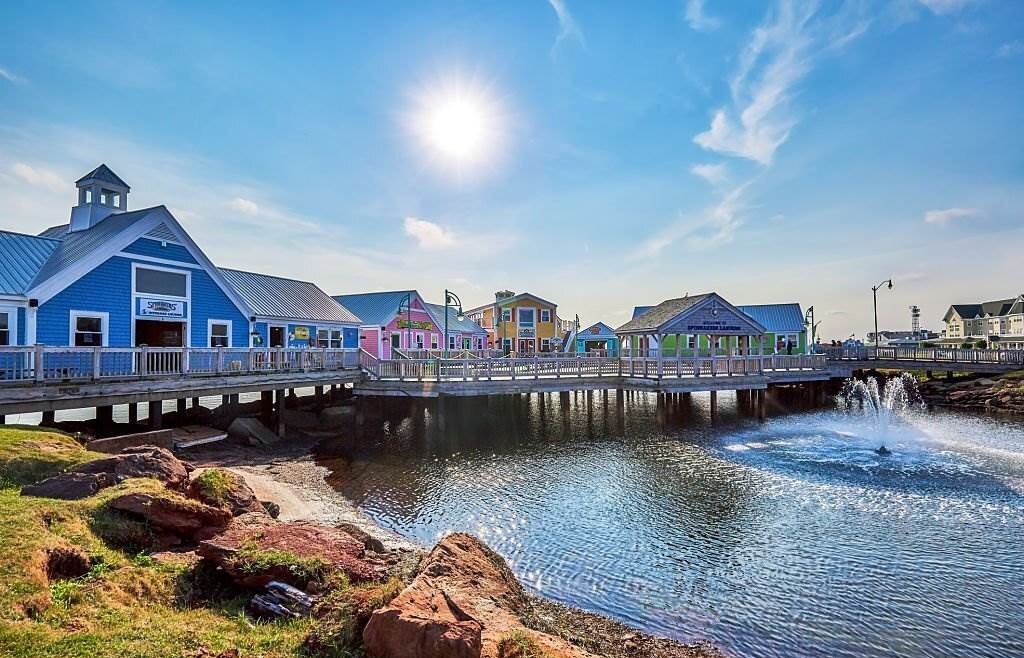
[
  {"x": 461, "y": 316},
  {"x": 890, "y": 284}
]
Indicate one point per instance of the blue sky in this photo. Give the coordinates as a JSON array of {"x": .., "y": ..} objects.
[{"x": 771, "y": 151}]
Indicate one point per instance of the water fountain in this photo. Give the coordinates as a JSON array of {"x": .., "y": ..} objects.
[{"x": 881, "y": 405}]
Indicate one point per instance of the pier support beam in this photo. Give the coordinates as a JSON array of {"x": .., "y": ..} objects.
[
  {"x": 267, "y": 408},
  {"x": 133, "y": 413},
  {"x": 104, "y": 419},
  {"x": 181, "y": 407},
  {"x": 279, "y": 415},
  {"x": 195, "y": 403},
  {"x": 156, "y": 414},
  {"x": 49, "y": 417},
  {"x": 714, "y": 404}
]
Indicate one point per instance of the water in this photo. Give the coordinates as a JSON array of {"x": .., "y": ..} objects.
[{"x": 787, "y": 538}]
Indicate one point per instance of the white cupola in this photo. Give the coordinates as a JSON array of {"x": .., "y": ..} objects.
[{"x": 101, "y": 192}]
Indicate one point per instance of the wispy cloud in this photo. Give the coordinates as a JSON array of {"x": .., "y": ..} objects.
[
  {"x": 245, "y": 206},
  {"x": 716, "y": 174},
  {"x": 428, "y": 234},
  {"x": 568, "y": 29},
  {"x": 951, "y": 214},
  {"x": 945, "y": 6},
  {"x": 782, "y": 50},
  {"x": 10, "y": 77},
  {"x": 40, "y": 177},
  {"x": 1010, "y": 49},
  {"x": 697, "y": 19},
  {"x": 714, "y": 226}
]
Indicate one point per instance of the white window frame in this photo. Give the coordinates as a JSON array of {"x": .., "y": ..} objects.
[
  {"x": 545, "y": 315},
  {"x": 451, "y": 341},
  {"x": 691, "y": 341},
  {"x": 147, "y": 266},
  {"x": 434, "y": 341},
  {"x": 209, "y": 331},
  {"x": 545, "y": 344},
  {"x": 391, "y": 340},
  {"x": 505, "y": 311},
  {"x": 420, "y": 340},
  {"x": 104, "y": 317},
  {"x": 12, "y": 324},
  {"x": 519, "y": 316}
]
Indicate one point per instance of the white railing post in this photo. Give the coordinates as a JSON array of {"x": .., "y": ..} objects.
[
  {"x": 218, "y": 367},
  {"x": 96, "y": 362},
  {"x": 39, "y": 368}
]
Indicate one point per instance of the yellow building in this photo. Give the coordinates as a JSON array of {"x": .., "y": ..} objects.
[{"x": 522, "y": 323}]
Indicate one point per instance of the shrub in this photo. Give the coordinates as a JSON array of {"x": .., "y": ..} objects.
[
  {"x": 251, "y": 559},
  {"x": 213, "y": 485},
  {"x": 518, "y": 644}
]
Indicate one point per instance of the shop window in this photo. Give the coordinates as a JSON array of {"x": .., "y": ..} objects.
[
  {"x": 433, "y": 341},
  {"x": 526, "y": 317},
  {"x": 88, "y": 329},
  {"x": 161, "y": 282},
  {"x": 451, "y": 342},
  {"x": 5, "y": 328},
  {"x": 332, "y": 338},
  {"x": 545, "y": 315},
  {"x": 220, "y": 333},
  {"x": 545, "y": 344},
  {"x": 506, "y": 315}
]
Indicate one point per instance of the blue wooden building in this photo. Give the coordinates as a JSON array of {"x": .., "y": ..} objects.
[
  {"x": 123, "y": 278},
  {"x": 598, "y": 337}
]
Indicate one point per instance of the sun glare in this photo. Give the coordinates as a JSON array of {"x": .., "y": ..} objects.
[{"x": 459, "y": 125}]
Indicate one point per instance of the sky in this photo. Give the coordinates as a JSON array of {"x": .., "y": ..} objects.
[{"x": 600, "y": 155}]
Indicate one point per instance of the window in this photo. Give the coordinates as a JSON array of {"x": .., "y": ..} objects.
[
  {"x": 545, "y": 315},
  {"x": 220, "y": 333},
  {"x": 332, "y": 338},
  {"x": 451, "y": 342},
  {"x": 88, "y": 329},
  {"x": 545, "y": 344},
  {"x": 526, "y": 316},
  {"x": 161, "y": 282},
  {"x": 691, "y": 342},
  {"x": 396, "y": 341},
  {"x": 433, "y": 341},
  {"x": 419, "y": 341},
  {"x": 5, "y": 328},
  {"x": 506, "y": 315}
]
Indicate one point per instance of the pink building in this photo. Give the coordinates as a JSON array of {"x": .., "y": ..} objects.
[{"x": 402, "y": 320}]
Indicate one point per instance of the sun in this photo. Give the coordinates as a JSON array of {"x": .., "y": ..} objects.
[{"x": 460, "y": 125}]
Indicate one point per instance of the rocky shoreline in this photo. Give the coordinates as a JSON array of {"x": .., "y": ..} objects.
[{"x": 997, "y": 394}]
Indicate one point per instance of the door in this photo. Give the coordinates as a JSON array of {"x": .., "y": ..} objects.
[
  {"x": 277, "y": 336},
  {"x": 525, "y": 346},
  {"x": 156, "y": 333}
]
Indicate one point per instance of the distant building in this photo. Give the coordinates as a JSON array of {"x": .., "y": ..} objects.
[
  {"x": 598, "y": 337},
  {"x": 902, "y": 338},
  {"x": 523, "y": 323},
  {"x": 784, "y": 325},
  {"x": 999, "y": 323}
]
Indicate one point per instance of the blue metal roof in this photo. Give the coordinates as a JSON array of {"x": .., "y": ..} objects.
[
  {"x": 777, "y": 318},
  {"x": 454, "y": 324},
  {"x": 278, "y": 297},
  {"x": 21, "y": 258},
  {"x": 75, "y": 246},
  {"x": 375, "y": 308},
  {"x": 604, "y": 332}
]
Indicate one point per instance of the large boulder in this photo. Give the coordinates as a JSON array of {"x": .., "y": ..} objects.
[
  {"x": 69, "y": 486},
  {"x": 141, "y": 462},
  {"x": 224, "y": 489},
  {"x": 336, "y": 417},
  {"x": 256, "y": 550},
  {"x": 173, "y": 513},
  {"x": 465, "y": 602},
  {"x": 252, "y": 431}
]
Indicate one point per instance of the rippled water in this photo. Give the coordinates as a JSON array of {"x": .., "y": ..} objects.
[{"x": 784, "y": 538}]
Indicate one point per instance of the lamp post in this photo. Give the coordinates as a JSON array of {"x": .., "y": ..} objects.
[
  {"x": 407, "y": 302},
  {"x": 576, "y": 335},
  {"x": 874, "y": 297},
  {"x": 809, "y": 321},
  {"x": 450, "y": 298}
]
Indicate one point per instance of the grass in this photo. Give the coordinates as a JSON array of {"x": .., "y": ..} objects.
[
  {"x": 128, "y": 605},
  {"x": 214, "y": 485},
  {"x": 518, "y": 644},
  {"x": 28, "y": 454},
  {"x": 251, "y": 559}
]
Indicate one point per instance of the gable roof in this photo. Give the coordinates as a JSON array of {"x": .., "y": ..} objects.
[
  {"x": 21, "y": 258},
  {"x": 658, "y": 315},
  {"x": 454, "y": 324},
  {"x": 603, "y": 331},
  {"x": 777, "y": 318},
  {"x": 277, "y": 297},
  {"x": 74, "y": 247},
  {"x": 512, "y": 300},
  {"x": 375, "y": 308},
  {"x": 105, "y": 174},
  {"x": 997, "y": 307},
  {"x": 640, "y": 310}
]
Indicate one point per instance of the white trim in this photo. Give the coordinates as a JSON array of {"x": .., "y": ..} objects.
[
  {"x": 104, "y": 325},
  {"x": 187, "y": 320},
  {"x": 159, "y": 261},
  {"x": 519, "y": 316},
  {"x": 209, "y": 331},
  {"x": 542, "y": 312},
  {"x": 12, "y": 323}
]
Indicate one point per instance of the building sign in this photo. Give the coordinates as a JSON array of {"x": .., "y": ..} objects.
[
  {"x": 713, "y": 318},
  {"x": 161, "y": 308},
  {"x": 595, "y": 330},
  {"x": 415, "y": 324},
  {"x": 526, "y": 332},
  {"x": 301, "y": 333}
]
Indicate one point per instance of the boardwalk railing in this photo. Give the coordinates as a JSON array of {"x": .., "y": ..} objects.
[
  {"x": 70, "y": 364},
  {"x": 540, "y": 367},
  {"x": 926, "y": 354}
]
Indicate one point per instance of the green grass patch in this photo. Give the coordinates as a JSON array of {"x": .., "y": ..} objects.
[
  {"x": 127, "y": 605},
  {"x": 518, "y": 644},
  {"x": 251, "y": 559},
  {"x": 29, "y": 454},
  {"x": 214, "y": 485}
]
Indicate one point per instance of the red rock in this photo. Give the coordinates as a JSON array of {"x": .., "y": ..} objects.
[
  {"x": 181, "y": 516},
  {"x": 69, "y": 486},
  {"x": 143, "y": 461},
  {"x": 464, "y": 602},
  {"x": 237, "y": 499},
  {"x": 302, "y": 539}
]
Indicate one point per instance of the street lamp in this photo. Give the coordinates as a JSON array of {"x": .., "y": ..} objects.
[
  {"x": 809, "y": 321},
  {"x": 407, "y": 303},
  {"x": 450, "y": 298},
  {"x": 874, "y": 295}
]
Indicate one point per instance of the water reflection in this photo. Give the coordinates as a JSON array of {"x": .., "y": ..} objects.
[{"x": 784, "y": 538}]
